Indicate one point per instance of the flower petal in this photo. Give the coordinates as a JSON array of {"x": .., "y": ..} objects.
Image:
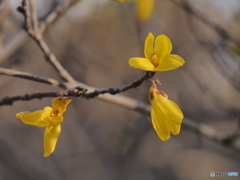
[
  {"x": 54, "y": 121},
  {"x": 159, "y": 124},
  {"x": 36, "y": 118},
  {"x": 162, "y": 46},
  {"x": 170, "y": 110},
  {"x": 60, "y": 105},
  {"x": 148, "y": 46},
  {"x": 175, "y": 129},
  {"x": 141, "y": 63},
  {"x": 144, "y": 8},
  {"x": 166, "y": 115},
  {"x": 170, "y": 62},
  {"x": 51, "y": 135}
]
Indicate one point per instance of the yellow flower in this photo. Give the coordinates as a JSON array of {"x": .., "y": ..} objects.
[
  {"x": 144, "y": 8},
  {"x": 165, "y": 114},
  {"x": 51, "y": 117},
  {"x": 158, "y": 57}
]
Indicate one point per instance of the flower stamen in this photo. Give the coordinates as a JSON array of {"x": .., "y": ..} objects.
[{"x": 154, "y": 59}]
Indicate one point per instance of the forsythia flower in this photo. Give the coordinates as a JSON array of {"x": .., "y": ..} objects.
[
  {"x": 165, "y": 114},
  {"x": 51, "y": 117},
  {"x": 144, "y": 8},
  {"x": 158, "y": 57}
]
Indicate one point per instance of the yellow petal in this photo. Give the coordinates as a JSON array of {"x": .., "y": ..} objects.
[
  {"x": 162, "y": 46},
  {"x": 148, "y": 46},
  {"x": 166, "y": 115},
  {"x": 36, "y": 118},
  {"x": 175, "y": 129},
  {"x": 170, "y": 110},
  {"x": 170, "y": 62},
  {"x": 159, "y": 124},
  {"x": 51, "y": 135},
  {"x": 144, "y": 8},
  {"x": 60, "y": 105},
  {"x": 54, "y": 121},
  {"x": 164, "y": 123},
  {"x": 141, "y": 63}
]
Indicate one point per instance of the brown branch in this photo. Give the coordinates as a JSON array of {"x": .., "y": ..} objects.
[
  {"x": 74, "y": 92},
  {"x": 31, "y": 26},
  {"x": 3, "y": 19},
  {"x": 19, "y": 39},
  {"x": 223, "y": 33},
  {"x": 24, "y": 75},
  {"x": 114, "y": 91},
  {"x": 57, "y": 13}
]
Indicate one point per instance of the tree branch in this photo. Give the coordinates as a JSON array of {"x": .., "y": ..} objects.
[
  {"x": 76, "y": 92},
  {"x": 24, "y": 75},
  {"x": 19, "y": 39},
  {"x": 31, "y": 26},
  {"x": 224, "y": 34},
  {"x": 114, "y": 91}
]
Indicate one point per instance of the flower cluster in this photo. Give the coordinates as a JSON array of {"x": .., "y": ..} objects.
[{"x": 165, "y": 114}]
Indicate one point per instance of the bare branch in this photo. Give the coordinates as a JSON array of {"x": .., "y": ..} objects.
[
  {"x": 3, "y": 19},
  {"x": 31, "y": 26},
  {"x": 76, "y": 92},
  {"x": 223, "y": 33},
  {"x": 57, "y": 13},
  {"x": 114, "y": 91},
  {"x": 26, "y": 97},
  {"x": 19, "y": 39},
  {"x": 24, "y": 75}
]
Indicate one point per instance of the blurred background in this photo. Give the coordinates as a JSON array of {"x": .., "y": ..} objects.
[{"x": 102, "y": 141}]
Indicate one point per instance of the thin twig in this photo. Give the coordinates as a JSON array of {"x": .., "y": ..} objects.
[
  {"x": 26, "y": 97},
  {"x": 223, "y": 33},
  {"x": 33, "y": 77},
  {"x": 73, "y": 92},
  {"x": 114, "y": 91},
  {"x": 31, "y": 27},
  {"x": 18, "y": 40},
  {"x": 3, "y": 19},
  {"x": 58, "y": 12},
  {"x": 93, "y": 94}
]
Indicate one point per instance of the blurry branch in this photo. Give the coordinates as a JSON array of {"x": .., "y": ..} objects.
[
  {"x": 24, "y": 75},
  {"x": 223, "y": 33},
  {"x": 32, "y": 28},
  {"x": 3, "y": 19},
  {"x": 213, "y": 134},
  {"x": 13, "y": 154},
  {"x": 19, "y": 39}
]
